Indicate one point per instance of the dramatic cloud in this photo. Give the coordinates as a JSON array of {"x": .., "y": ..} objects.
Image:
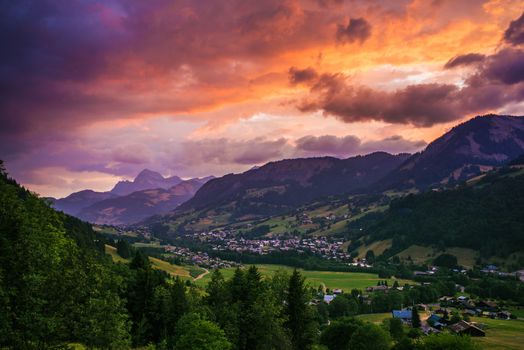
[
  {"x": 464, "y": 60},
  {"x": 498, "y": 80},
  {"x": 506, "y": 66},
  {"x": 420, "y": 105},
  {"x": 515, "y": 33},
  {"x": 104, "y": 88},
  {"x": 357, "y": 30},
  {"x": 298, "y": 76},
  {"x": 351, "y": 145}
]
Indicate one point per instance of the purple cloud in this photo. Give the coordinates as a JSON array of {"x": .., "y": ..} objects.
[
  {"x": 357, "y": 30},
  {"x": 514, "y": 35},
  {"x": 464, "y": 60}
]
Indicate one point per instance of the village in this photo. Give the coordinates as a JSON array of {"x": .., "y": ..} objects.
[{"x": 227, "y": 240}]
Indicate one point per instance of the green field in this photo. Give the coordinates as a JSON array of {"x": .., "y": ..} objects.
[
  {"x": 343, "y": 280},
  {"x": 501, "y": 334},
  {"x": 419, "y": 254},
  {"x": 185, "y": 272},
  {"x": 374, "y": 318}
]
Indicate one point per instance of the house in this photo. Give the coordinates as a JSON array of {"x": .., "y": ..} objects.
[
  {"x": 472, "y": 312},
  {"x": 429, "y": 330},
  {"x": 436, "y": 321},
  {"x": 337, "y": 291},
  {"x": 329, "y": 298},
  {"x": 463, "y": 327},
  {"x": 462, "y": 298},
  {"x": 487, "y": 305},
  {"x": 377, "y": 289},
  {"x": 504, "y": 315},
  {"x": 405, "y": 315}
]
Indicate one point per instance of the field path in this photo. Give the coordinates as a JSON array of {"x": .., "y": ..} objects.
[{"x": 206, "y": 271}]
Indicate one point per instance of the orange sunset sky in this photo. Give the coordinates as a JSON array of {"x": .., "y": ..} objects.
[{"x": 95, "y": 91}]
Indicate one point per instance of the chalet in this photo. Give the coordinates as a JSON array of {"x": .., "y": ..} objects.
[
  {"x": 405, "y": 315},
  {"x": 377, "y": 289},
  {"x": 463, "y": 327}
]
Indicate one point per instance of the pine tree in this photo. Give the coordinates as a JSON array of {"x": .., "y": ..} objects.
[
  {"x": 299, "y": 319},
  {"x": 415, "y": 318}
]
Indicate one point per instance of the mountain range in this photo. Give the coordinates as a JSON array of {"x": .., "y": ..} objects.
[
  {"x": 130, "y": 201},
  {"x": 466, "y": 151},
  {"x": 279, "y": 186}
]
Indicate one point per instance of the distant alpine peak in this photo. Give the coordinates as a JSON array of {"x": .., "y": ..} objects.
[
  {"x": 146, "y": 179},
  {"x": 147, "y": 174}
]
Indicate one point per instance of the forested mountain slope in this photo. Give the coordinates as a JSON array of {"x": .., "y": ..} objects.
[
  {"x": 467, "y": 150},
  {"x": 485, "y": 214},
  {"x": 54, "y": 284},
  {"x": 278, "y": 186}
]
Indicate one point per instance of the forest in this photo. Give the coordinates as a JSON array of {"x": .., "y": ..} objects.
[{"x": 484, "y": 215}]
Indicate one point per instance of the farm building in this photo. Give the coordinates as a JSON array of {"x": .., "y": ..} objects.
[{"x": 463, "y": 327}]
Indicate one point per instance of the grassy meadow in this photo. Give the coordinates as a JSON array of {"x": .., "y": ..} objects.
[
  {"x": 501, "y": 334},
  {"x": 343, "y": 280}
]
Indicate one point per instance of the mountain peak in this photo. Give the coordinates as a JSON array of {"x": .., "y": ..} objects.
[
  {"x": 146, "y": 179},
  {"x": 147, "y": 175},
  {"x": 468, "y": 149}
]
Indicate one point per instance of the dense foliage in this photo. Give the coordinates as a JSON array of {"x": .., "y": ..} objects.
[{"x": 54, "y": 286}]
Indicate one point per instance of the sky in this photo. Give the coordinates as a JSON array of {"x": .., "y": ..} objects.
[{"x": 92, "y": 92}]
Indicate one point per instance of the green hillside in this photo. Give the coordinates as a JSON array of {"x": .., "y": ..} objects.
[{"x": 484, "y": 215}]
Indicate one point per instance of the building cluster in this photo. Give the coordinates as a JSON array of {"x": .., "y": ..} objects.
[
  {"x": 189, "y": 256},
  {"x": 443, "y": 316},
  {"x": 223, "y": 240}
]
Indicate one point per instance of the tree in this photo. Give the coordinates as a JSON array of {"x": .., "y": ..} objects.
[
  {"x": 415, "y": 318},
  {"x": 395, "y": 328},
  {"x": 123, "y": 249},
  {"x": 195, "y": 333},
  {"x": 370, "y": 256},
  {"x": 369, "y": 337},
  {"x": 299, "y": 319},
  {"x": 343, "y": 306},
  {"x": 446, "y": 260},
  {"x": 455, "y": 317},
  {"x": 338, "y": 334}
]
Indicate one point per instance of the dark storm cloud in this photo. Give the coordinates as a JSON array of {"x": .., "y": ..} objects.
[
  {"x": 514, "y": 35},
  {"x": 357, "y": 30},
  {"x": 421, "y": 105},
  {"x": 464, "y": 60},
  {"x": 298, "y": 76},
  {"x": 506, "y": 66}
]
